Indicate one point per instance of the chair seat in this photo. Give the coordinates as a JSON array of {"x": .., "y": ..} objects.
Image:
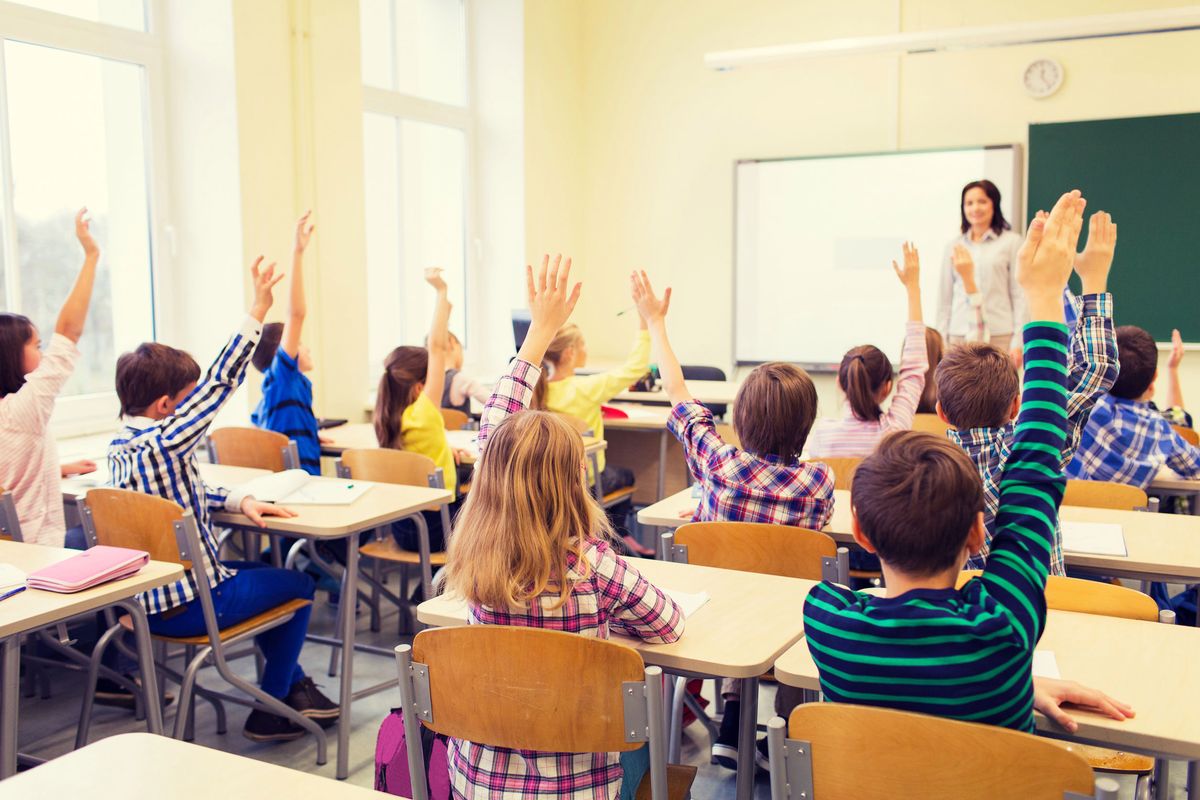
[
  {"x": 617, "y": 495},
  {"x": 1106, "y": 760},
  {"x": 388, "y": 550},
  {"x": 866, "y": 574},
  {"x": 679, "y": 782},
  {"x": 278, "y": 612}
]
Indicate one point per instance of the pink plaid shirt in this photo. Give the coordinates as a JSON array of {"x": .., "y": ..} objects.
[
  {"x": 607, "y": 594},
  {"x": 738, "y": 486}
]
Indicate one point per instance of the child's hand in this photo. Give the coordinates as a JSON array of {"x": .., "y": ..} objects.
[
  {"x": 1044, "y": 261},
  {"x": 84, "y": 234},
  {"x": 462, "y": 456},
  {"x": 648, "y": 305},
  {"x": 433, "y": 276},
  {"x": 303, "y": 232},
  {"x": 264, "y": 282},
  {"x": 965, "y": 267},
  {"x": 256, "y": 510},
  {"x": 1176, "y": 350},
  {"x": 910, "y": 276},
  {"x": 1093, "y": 264},
  {"x": 1049, "y": 695},
  {"x": 550, "y": 305},
  {"x": 77, "y": 468}
]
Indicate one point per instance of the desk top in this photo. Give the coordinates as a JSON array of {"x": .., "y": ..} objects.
[
  {"x": 746, "y": 624},
  {"x": 361, "y": 435},
  {"x": 1159, "y": 545},
  {"x": 1153, "y": 667},
  {"x": 37, "y": 608},
  {"x": 153, "y": 767},
  {"x": 711, "y": 392},
  {"x": 641, "y": 418}
]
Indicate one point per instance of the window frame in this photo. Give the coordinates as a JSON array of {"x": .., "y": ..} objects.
[{"x": 95, "y": 412}]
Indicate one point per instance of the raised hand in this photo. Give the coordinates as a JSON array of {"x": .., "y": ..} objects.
[
  {"x": 303, "y": 232},
  {"x": 960, "y": 258},
  {"x": 264, "y": 282},
  {"x": 1093, "y": 264},
  {"x": 910, "y": 275},
  {"x": 433, "y": 276},
  {"x": 1176, "y": 350},
  {"x": 83, "y": 233},
  {"x": 1044, "y": 260},
  {"x": 649, "y": 306},
  {"x": 550, "y": 304}
]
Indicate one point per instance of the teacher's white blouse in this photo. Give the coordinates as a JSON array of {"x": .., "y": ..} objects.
[{"x": 995, "y": 258}]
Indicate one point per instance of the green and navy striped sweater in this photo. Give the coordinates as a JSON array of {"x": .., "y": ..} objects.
[{"x": 966, "y": 653}]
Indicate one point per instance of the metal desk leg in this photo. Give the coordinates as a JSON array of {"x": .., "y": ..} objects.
[
  {"x": 1193, "y": 780},
  {"x": 346, "y": 609},
  {"x": 747, "y": 728},
  {"x": 10, "y": 671},
  {"x": 662, "y": 464},
  {"x": 145, "y": 649}
]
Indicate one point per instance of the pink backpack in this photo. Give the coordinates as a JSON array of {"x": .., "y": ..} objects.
[{"x": 391, "y": 760}]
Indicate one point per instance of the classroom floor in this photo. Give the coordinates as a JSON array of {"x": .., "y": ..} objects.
[{"x": 47, "y": 727}]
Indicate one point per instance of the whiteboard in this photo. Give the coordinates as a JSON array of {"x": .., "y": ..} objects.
[{"x": 815, "y": 240}]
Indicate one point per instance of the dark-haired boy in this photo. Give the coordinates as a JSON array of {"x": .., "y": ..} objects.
[
  {"x": 978, "y": 385},
  {"x": 926, "y": 646}
]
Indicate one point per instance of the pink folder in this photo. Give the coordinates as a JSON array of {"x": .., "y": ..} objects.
[{"x": 90, "y": 568}]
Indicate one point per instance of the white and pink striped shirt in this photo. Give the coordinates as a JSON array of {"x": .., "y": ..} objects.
[
  {"x": 29, "y": 467},
  {"x": 850, "y": 436}
]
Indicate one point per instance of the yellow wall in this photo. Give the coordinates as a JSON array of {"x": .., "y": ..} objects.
[{"x": 650, "y": 180}]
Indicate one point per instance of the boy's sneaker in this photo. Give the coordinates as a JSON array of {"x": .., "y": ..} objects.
[
  {"x": 263, "y": 726},
  {"x": 111, "y": 693},
  {"x": 725, "y": 748},
  {"x": 308, "y": 700},
  {"x": 761, "y": 755}
]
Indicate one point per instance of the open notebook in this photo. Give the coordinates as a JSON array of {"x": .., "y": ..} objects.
[
  {"x": 297, "y": 487},
  {"x": 12, "y": 580}
]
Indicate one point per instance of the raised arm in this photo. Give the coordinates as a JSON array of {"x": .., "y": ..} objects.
[
  {"x": 964, "y": 267},
  {"x": 551, "y": 300},
  {"x": 297, "y": 306},
  {"x": 914, "y": 360},
  {"x": 653, "y": 312},
  {"x": 439, "y": 337},
  {"x": 73, "y": 314},
  {"x": 1174, "y": 390}
]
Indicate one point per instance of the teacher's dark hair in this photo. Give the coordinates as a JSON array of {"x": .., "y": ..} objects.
[{"x": 999, "y": 223}]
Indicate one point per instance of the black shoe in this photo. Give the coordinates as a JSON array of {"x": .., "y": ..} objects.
[
  {"x": 762, "y": 755},
  {"x": 725, "y": 748},
  {"x": 263, "y": 726},
  {"x": 308, "y": 700},
  {"x": 111, "y": 693}
]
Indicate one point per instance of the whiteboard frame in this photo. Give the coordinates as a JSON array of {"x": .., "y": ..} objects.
[{"x": 1017, "y": 222}]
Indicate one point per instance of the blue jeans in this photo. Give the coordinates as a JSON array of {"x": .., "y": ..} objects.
[{"x": 255, "y": 588}]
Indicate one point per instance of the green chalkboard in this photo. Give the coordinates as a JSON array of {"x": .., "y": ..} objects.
[{"x": 1145, "y": 171}]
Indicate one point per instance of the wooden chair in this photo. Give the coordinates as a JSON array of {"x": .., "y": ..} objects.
[
  {"x": 252, "y": 447},
  {"x": 1189, "y": 435},
  {"x": 567, "y": 693},
  {"x": 930, "y": 423},
  {"x": 10, "y": 523},
  {"x": 1105, "y": 494},
  {"x": 454, "y": 419},
  {"x": 819, "y": 753},
  {"x": 728, "y": 434},
  {"x": 843, "y": 470},
  {"x": 121, "y": 518}
]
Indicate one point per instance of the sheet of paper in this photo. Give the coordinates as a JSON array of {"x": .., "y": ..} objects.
[
  {"x": 327, "y": 492},
  {"x": 690, "y": 602},
  {"x": 464, "y": 440},
  {"x": 10, "y": 576},
  {"x": 1045, "y": 665},
  {"x": 1097, "y": 538}
]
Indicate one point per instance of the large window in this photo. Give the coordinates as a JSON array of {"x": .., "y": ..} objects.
[
  {"x": 74, "y": 131},
  {"x": 417, "y": 147}
]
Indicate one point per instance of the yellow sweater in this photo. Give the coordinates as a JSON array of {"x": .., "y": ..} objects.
[
  {"x": 581, "y": 395},
  {"x": 423, "y": 431}
]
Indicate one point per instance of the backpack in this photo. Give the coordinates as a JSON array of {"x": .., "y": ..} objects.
[{"x": 391, "y": 760}]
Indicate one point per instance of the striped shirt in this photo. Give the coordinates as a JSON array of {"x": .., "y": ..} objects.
[
  {"x": 607, "y": 595},
  {"x": 1128, "y": 442},
  {"x": 850, "y": 436},
  {"x": 965, "y": 654},
  {"x": 29, "y": 467},
  {"x": 739, "y": 486},
  {"x": 159, "y": 457},
  {"x": 1093, "y": 370},
  {"x": 286, "y": 407}
]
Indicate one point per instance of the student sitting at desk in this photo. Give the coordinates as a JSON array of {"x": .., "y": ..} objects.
[
  {"x": 165, "y": 414},
  {"x": 460, "y": 388},
  {"x": 533, "y": 548}
]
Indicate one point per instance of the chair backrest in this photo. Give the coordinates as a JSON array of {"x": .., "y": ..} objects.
[
  {"x": 580, "y": 426},
  {"x": 10, "y": 523},
  {"x": 756, "y": 547},
  {"x": 843, "y": 470},
  {"x": 1104, "y": 494},
  {"x": 453, "y": 419},
  {"x": 930, "y": 423},
  {"x": 528, "y": 688},
  {"x": 122, "y": 518},
  {"x": 384, "y": 465},
  {"x": 1091, "y": 597},
  {"x": 916, "y": 755},
  {"x": 249, "y": 447},
  {"x": 728, "y": 435},
  {"x": 1189, "y": 435}
]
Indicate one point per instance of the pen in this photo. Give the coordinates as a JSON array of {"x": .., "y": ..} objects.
[{"x": 9, "y": 594}]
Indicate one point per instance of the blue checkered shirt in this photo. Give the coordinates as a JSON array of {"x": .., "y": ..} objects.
[{"x": 1128, "y": 442}]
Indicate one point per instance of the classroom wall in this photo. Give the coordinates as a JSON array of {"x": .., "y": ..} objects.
[{"x": 621, "y": 109}]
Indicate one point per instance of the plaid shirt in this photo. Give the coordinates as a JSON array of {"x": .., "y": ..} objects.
[
  {"x": 1093, "y": 370},
  {"x": 739, "y": 486},
  {"x": 607, "y": 594},
  {"x": 159, "y": 457},
  {"x": 1128, "y": 442}
]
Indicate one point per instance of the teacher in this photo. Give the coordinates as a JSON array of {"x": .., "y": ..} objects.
[{"x": 979, "y": 298}]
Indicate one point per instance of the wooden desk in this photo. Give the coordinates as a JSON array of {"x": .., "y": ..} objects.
[
  {"x": 721, "y": 393},
  {"x": 630, "y": 445},
  {"x": 33, "y": 609},
  {"x": 1161, "y": 546},
  {"x": 1155, "y": 668},
  {"x": 748, "y": 622},
  {"x": 139, "y": 766}
]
